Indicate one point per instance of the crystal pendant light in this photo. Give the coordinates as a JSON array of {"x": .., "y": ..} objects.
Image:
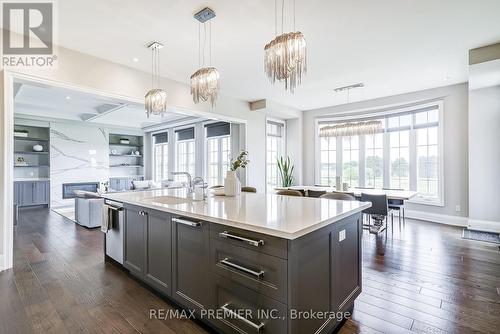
[
  {"x": 156, "y": 98},
  {"x": 205, "y": 81},
  {"x": 285, "y": 56}
]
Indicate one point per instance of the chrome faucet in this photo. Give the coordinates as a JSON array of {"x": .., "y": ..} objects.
[
  {"x": 190, "y": 186},
  {"x": 199, "y": 180}
]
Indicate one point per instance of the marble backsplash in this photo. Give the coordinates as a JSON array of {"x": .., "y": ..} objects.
[{"x": 77, "y": 154}]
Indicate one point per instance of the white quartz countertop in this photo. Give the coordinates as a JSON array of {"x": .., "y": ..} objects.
[{"x": 281, "y": 216}]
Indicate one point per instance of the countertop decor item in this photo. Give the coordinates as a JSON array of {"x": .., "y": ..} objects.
[
  {"x": 38, "y": 148},
  {"x": 285, "y": 169},
  {"x": 124, "y": 141},
  {"x": 232, "y": 185},
  {"x": 205, "y": 81},
  {"x": 21, "y": 162},
  {"x": 156, "y": 98},
  {"x": 114, "y": 152},
  {"x": 285, "y": 56}
]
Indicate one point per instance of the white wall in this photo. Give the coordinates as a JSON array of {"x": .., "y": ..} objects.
[
  {"x": 484, "y": 158},
  {"x": 455, "y": 143}
]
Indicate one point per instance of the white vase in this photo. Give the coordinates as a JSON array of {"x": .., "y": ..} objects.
[{"x": 232, "y": 185}]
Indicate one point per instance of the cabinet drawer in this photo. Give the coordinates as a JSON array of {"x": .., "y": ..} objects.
[
  {"x": 241, "y": 310},
  {"x": 252, "y": 240},
  {"x": 261, "y": 272}
]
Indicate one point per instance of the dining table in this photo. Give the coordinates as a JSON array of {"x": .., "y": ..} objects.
[{"x": 392, "y": 194}]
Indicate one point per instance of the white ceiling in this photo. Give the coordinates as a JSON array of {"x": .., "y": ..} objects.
[
  {"x": 393, "y": 46},
  {"x": 60, "y": 103}
]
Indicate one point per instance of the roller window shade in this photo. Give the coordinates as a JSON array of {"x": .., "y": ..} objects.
[
  {"x": 185, "y": 134},
  {"x": 218, "y": 129},
  {"x": 160, "y": 138}
]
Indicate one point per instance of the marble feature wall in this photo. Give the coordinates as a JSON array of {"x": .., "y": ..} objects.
[{"x": 78, "y": 153}]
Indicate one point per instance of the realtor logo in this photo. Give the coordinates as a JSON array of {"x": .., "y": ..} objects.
[{"x": 28, "y": 33}]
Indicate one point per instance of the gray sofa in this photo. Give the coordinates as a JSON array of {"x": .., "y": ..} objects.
[{"x": 88, "y": 209}]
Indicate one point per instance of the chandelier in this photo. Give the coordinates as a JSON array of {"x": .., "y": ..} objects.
[
  {"x": 205, "y": 84},
  {"x": 285, "y": 56},
  {"x": 351, "y": 129},
  {"x": 156, "y": 98}
]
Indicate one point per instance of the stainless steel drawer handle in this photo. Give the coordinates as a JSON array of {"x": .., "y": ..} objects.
[
  {"x": 258, "y": 274},
  {"x": 255, "y": 243},
  {"x": 257, "y": 327},
  {"x": 186, "y": 222}
]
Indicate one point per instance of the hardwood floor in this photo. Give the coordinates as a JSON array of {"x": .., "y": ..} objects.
[{"x": 422, "y": 279}]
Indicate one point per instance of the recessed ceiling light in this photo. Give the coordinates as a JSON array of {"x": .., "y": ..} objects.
[
  {"x": 135, "y": 59},
  {"x": 68, "y": 97}
]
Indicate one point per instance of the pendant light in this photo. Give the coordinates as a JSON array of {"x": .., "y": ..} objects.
[
  {"x": 285, "y": 56},
  {"x": 156, "y": 99},
  {"x": 205, "y": 83}
]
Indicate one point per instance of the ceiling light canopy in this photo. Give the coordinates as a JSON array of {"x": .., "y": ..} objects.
[
  {"x": 205, "y": 83},
  {"x": 285, "y": 57},
  {"x": 156, "y": 99}
]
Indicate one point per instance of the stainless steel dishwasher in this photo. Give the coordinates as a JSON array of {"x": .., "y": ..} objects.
[{"x": 114, "y": 236}]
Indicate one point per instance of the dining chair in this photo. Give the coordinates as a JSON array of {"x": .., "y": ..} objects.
[
  {"x": 339, "y": 196},
  {"x": 289, "y": 192},
  {"x": 397, "y": 205},
  {"x": 315, "y": 193},
  {"x": 249, "y": 189},
  {"x": 379, "y": 211}
]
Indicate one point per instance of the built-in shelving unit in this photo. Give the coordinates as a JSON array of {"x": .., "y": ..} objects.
[
  {"x": 29, "y": 163},
  {"x": 126, "y": 165},
  {"x": 31, "y": 168}
]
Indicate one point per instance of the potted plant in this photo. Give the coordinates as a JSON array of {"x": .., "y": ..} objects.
[
  {"x": 232, "y": 185},
  {"x": 285, "y": 169}
]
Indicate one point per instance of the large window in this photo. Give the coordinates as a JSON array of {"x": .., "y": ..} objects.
[
  {"x": 406, "y": 154},
  {"x": 328, "y": 161},
  {"x": 160, "y": 156},
  {"x": 218, "y": 152},
  {"x": 274, "y": 149},
  {"x": 350, "y": 160},
  {"x": 374, "y": 160},
  {"x": 427, "y": 125},
  {"x": 185, "y": 159}
]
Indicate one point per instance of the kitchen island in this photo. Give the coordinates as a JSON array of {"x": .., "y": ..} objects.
[{"x": 251, "y": 263}]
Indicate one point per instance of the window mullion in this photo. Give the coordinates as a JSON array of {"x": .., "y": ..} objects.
[
  {"x": 338, "y": 152},
  {"x": 387, "y": 159}
]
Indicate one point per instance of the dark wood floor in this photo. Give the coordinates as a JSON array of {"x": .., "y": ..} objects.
[{"x": 423, "y": 279}]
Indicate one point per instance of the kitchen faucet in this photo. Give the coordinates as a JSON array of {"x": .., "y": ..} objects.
[{"x": 190, "y": 186}]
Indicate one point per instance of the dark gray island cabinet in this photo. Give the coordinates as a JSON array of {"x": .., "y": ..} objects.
[{"x": 241, "y": 281}]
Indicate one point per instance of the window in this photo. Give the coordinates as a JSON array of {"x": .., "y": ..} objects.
[
  {"x": 399, "y": 168},
  {"x": 160, "y": 156},
  {"x": 328, "y": 161},
  {"x": 185, "y": 160},
  {"x": 427, "y": 153},
  {"x": 350, "y": 160},
  {"x": 406, "y": 154},
  {"x": 374, "y": 160},
  {"x": 218, "y": 152},
  {"x": 274, "y": 150}
]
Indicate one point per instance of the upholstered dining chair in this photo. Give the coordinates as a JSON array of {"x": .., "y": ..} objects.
[
  {"x": 339, "y": 196},
  {"x": 289, "y": 192},
  {"x": 379, "y": 210},
  {"x": 249, "y": 189},
  {"x": 397, "y": 205}
]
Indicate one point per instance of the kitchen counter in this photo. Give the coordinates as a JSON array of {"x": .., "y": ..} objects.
[
  {"x": 252, "y": 260},
  {"x": 281, "y": 216}
]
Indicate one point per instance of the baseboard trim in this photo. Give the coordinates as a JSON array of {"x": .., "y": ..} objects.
[
  {"x": 484, "y": 225},
  {"x": 437, "y": 218}
]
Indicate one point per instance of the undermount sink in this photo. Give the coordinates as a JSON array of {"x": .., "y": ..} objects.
[{"x": 171, "y": 200}]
